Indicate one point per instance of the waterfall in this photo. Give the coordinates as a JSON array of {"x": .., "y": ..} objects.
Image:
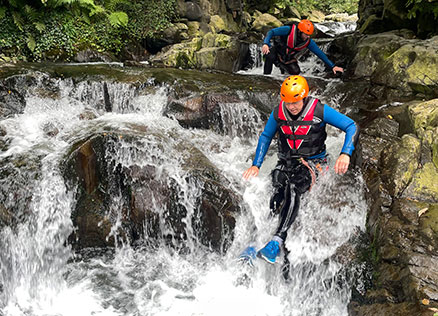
[{"x": 41, "y": 275}]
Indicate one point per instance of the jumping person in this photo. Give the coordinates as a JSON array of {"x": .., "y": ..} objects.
[
  {"x": 288, "y": 42},
  {"x": 300, "y": 122}
]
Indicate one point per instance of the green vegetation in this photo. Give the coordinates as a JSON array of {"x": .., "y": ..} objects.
[
  {"x": 58, "y": 29},
  {"x": 328, "y": 7},
  {"x": 37, "y": 30},
  {"x": 419, "y": 7}
]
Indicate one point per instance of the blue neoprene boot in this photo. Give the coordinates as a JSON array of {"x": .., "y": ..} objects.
[{"x": 270, "y": 252}]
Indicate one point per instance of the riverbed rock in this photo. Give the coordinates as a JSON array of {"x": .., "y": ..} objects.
[
  {"x": 11, "y": 101},
  {"x": 146, "y": 201},
  {"x": 213, "y": 51}
]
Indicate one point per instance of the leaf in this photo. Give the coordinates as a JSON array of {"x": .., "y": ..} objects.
[
  {"x": 2, "y": 12},
  {"x": 31, "y": 43},
  {"x": 425, "y": 301},
  {"x": 96, "y": 10},
  {"x": 18, "y": 20},
  {"x": 40, "y": 26},
  {"x": 118, "y": 18},
  {"x": 422, "y": 211}
]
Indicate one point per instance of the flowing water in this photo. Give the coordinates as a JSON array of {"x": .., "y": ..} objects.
[{"x": 41, "y": 275}]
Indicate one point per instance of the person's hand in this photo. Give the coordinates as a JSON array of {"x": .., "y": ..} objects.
[
  {"x": 251, "y": 172},
  {"x": 265, "y": 49},
  {"x": 336, "y": 69},
  {"x": 342, "y": 163}
]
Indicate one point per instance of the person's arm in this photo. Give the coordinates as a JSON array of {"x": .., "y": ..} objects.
[
  {"x": 278, "y": 31},
  {"x": 265, "y": 141},
  {"x": 262, "y": 147},
  {"x": 318, "y": 52},
  {"x": 346, "y": 124}
]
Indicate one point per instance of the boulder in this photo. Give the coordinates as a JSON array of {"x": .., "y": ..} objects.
[
  {"x": 316, "y": 16},
  {"x": 398, "y": 163},
  {"x": 146, "y": 201},
  {"x": 265, "y": 22},
  {"x": 11, "y": 101},
  {"x": 424, "y": 185},
  {"x": 411, "y": 68},
  {"x": 193, "y": 11}
]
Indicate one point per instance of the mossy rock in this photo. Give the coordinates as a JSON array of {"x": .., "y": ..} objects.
[
  {"x": 411, "y": 69},
  {"x": 399, "y": 162},
  {"x": 424, "y": 116},
  {"x": 424, "y": 185}
]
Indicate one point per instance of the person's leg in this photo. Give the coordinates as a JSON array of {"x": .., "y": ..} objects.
[
  {"x": 270, "y": 60},
  {"x": 281, "y": 195},
  {"x": 301, "y": 180},
  {"x": 293, "y": 68},
  {"x": 288, "y": 214},
  {"x": 280, "y": 200}
]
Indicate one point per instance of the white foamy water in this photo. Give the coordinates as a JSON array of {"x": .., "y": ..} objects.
[{"x": 39, "y": 277}]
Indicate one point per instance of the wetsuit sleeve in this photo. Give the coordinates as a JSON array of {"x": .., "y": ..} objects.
[
  {"x": 278, "y": 31},
  {"x": 318, "y": 52},
  {"x": 265, "y": 140},
  {"x": 344, "y": 123}
]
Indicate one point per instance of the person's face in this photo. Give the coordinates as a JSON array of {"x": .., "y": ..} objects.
[
  {"x": 304, "y": 36},
  {"x": 294, "y": 107}
]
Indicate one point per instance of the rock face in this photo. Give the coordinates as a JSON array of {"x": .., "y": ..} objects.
[
  {"x": 11, "y": 101},
  {"x": 134, "y": 192},
  {"x": 400, "y": 66},
  {"x": 399, "y": 172}
]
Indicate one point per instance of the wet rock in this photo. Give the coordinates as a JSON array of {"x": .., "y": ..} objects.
[
  {"x": 88, "y": 114},
  {"x": 5, "y": 217},
  {"x": 50, "y": 129},
  {"x": 89, "y": 55},
  {"x": 145, "y": 200},
  {"x": 11, "y": 101},
  {"x": 18, "y": 178}
]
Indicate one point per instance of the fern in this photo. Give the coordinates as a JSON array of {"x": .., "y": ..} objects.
[
  {"x": 18, "y": 20},
  {"x": 31, "y": 44},
  {"x": 118, "y": 19},
  {"x": 39, "y": 26},
  {"x": 2, "y": 12}
]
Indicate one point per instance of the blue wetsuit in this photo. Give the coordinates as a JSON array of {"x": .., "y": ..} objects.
[
  {"x": 292, "y": 178},
  {"x": 331, "y": 116},
  {"x": 293, "y": 69}
]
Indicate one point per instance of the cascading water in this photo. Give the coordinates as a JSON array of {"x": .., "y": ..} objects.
[{"x": 41, "y": 275}]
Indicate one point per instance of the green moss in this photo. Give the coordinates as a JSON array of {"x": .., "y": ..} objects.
[
  {"x": 425, "y": 181},
  {"x": 429, "y": 220}
]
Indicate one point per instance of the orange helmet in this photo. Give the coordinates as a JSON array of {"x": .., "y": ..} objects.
[
  {"x": 294, "y": 89},
  {"x": 306, "y": 27}
]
